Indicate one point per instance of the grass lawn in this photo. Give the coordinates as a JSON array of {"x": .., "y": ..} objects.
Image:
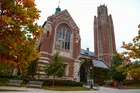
[
  {"x": 134, "y": 86},
  {"x": 4, "y": 90},
  {"x": 64, "y": 88}
]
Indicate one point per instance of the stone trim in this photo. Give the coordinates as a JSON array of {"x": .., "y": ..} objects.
[
  {"x": 43, "y": 61},
  {"x": 45, "y": 58},
  {"x": 42, "y": 52}
]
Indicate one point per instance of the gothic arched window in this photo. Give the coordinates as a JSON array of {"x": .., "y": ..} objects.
[{"x": 63, "y": 36}]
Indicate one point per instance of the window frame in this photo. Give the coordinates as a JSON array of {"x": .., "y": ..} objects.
[{"x": 63, "y": 33}]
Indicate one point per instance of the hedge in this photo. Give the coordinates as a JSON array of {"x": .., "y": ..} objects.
[
  {"x": 47, "y": 82},
  {"x": 61, "y": 83},
  {"x": 130, "y": 82}
]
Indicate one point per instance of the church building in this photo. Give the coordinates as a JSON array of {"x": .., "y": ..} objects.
[{"x": 60, "y": 33}]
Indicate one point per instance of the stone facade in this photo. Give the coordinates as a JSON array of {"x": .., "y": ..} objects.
[
  {"x": 104, "y": 38},
  {"x": 60, "y": 33},
  {"x": 47, "y": 45}
]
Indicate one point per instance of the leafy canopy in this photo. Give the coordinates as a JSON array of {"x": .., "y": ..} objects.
[
  {"x": 133, "y": 49},
  {"x": 18, "y": 32},
  {"x": 115, "y": 74},
  {"x": 132, "y": 69},
  {"x": 56, "y": 67}
]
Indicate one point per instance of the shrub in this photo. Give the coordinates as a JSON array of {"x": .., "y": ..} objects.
[
  {"x": 61, "y": 83},
  {"x": 101, "y": 83},
  {"x": 130, "y": 82},
  {"x": 6, "y": 71},
  {"x": 3, "y": 80}
]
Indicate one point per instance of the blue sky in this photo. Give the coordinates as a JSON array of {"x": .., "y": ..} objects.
[{"x": 125, "y": 14}]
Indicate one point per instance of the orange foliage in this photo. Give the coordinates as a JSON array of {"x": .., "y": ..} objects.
[
  {"x": 17, "y": 21},
  {"x": 133, "y": 49}
]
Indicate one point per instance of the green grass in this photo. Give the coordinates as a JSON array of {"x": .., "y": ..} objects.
[
  {"x": 64, "y": 88},
  {"x": 134, "y": 86},
  {"x": 4, "y": 90}
]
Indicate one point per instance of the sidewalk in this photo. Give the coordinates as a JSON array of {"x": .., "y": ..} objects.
[{"x": 35, "y": 90}]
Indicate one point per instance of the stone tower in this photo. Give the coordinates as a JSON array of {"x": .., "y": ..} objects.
[{"x": 104, "y": 38}]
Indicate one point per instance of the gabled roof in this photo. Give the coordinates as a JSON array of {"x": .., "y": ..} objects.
[
  {"x": 87, "y": 53},
  {"x": 63, "y": 15},
  {"x": 100, "y": 63}
]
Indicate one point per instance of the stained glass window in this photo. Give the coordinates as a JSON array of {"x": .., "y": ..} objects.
[{"x": 63, "y": 33}]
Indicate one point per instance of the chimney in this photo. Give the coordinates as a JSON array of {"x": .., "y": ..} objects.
[{"x": 88, "y": 49}]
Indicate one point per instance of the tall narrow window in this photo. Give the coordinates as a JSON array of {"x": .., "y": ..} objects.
[{"x": 63, "y": 34}]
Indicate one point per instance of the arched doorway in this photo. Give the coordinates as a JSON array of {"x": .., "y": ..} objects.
[{"x": 83, "y": 74}]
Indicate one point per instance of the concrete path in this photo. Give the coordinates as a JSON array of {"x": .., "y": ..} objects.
[{"x": 101, "y": 90}]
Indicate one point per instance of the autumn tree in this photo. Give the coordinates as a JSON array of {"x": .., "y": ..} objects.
[
  {"x": 55, "y": 68},
  {"x": 131, "y": 69},
  {"x": 133, "y": 49},
  {"x": 18, "y": 33}
]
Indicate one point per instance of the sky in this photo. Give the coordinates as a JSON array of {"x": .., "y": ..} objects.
[{"x": 125, "y": 15}]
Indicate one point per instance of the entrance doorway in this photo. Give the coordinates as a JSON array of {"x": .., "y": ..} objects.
[{"x": 83, "y": 74}]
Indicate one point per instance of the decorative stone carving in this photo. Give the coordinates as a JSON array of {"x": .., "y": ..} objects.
[
  {"x": 58, "y": 44},
  {"x": 47, "y": 29},
  {"x": 77, "y": 40}
]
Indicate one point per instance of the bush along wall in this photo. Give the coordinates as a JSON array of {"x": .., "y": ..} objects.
[
  {"x": 62, "y": 83},
  {"x": 130, "y": 82}
]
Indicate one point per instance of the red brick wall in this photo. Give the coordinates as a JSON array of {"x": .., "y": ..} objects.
[
  {"x": 47, "y": 43},
  {"x": 108, "y": 35}
]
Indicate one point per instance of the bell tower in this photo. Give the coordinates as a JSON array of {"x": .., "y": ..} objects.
[{"x": 104, "y": 38}]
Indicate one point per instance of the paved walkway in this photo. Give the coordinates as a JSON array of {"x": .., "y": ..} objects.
[{"x": 101, "y": 90}]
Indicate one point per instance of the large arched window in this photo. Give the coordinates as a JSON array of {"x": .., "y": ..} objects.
[{"x": 63, "y": 35}]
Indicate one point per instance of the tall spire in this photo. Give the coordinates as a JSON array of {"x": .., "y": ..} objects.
[
  {"x": 59, "y": 3},
  {"x": 58, "y": 9}
]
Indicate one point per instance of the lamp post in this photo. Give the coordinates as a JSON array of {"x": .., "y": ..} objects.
[
  {"x": 0, "y": 7},
  {"x": 91, "y": 74}
]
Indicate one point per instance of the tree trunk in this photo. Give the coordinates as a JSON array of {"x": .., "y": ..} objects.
[{"x": 53, "y": 80}]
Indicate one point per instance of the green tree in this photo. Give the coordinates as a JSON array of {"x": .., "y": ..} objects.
[
  {"x": 32, "y": 69},
  {"x": 116, "y": 61},
  {"x": 133, "y": 69},
  {"x": 18, "y": 33},
  {"x": 5, "y": 70},
  {"x": 55, "y": 68}
]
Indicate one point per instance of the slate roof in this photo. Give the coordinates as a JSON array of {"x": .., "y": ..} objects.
[
  {"x": 100, "y": 63},
  {"x": 85, "y": 52}
]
